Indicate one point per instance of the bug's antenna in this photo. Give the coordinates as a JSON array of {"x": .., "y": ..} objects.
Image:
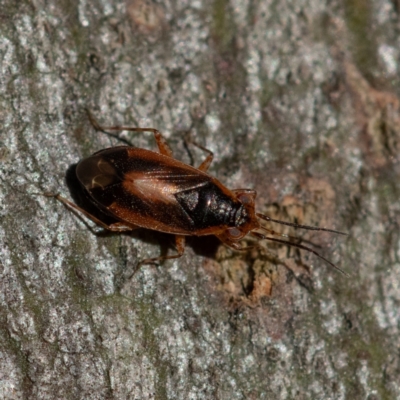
[
  {"x": 285, "y": 235},
  {"x": 299, "y": 246},
  {"x": 310, "y": 228}
]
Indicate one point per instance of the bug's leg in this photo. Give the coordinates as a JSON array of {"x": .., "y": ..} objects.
[
  {"x": 208, "y": 160},
  {"x": 116, "y": 227},
  {"x": 162, "y": 144},
  {"x": 235, "y": 245},
  {"x": 180, "y": 247}
]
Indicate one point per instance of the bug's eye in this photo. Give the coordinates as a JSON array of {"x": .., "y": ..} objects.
[
  {"x": 245, "y": 199},
  {"x": 234, "y": 233},
  {"x": 246, "y": 196}
]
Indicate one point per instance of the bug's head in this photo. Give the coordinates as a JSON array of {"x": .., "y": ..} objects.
[{"x": 245, "y": 219}]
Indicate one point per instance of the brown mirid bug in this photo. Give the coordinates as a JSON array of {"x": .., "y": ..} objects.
[{"x": 145, "y": 189}]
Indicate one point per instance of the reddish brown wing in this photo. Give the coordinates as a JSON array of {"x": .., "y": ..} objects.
[{"x": 145, "y": 188}]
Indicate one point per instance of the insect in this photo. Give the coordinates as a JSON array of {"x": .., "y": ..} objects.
[{"x": 145, "y": 189}]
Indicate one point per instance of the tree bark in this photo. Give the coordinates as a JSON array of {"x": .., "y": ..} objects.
[{"x": 297, "y": 100}]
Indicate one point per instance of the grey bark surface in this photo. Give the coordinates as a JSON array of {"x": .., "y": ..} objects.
[{"x": 298, "y": 100}]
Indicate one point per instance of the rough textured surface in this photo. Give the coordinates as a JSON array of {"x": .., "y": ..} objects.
[{"x": 299, "y": 100}]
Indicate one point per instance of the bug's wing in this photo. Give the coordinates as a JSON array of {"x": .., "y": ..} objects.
[
  {"x": 157, "y": 198},
  {"x": 161, "y": 186},
  {"x": 144, "y": 188}
]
